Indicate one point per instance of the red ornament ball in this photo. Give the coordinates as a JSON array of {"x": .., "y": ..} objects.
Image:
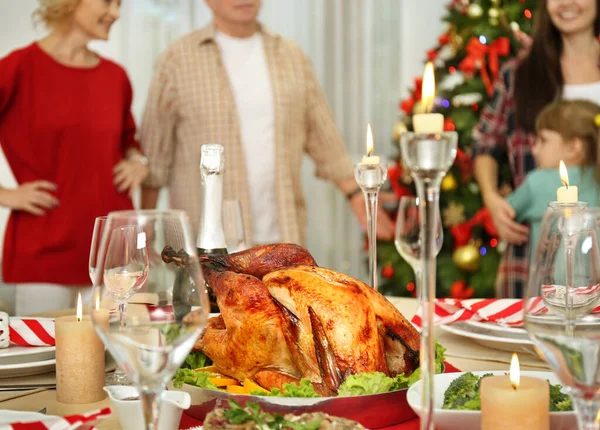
[{"x": 388, "y": 271}]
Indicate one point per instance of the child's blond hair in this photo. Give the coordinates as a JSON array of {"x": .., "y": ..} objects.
[{"x": 574, "y": 119}]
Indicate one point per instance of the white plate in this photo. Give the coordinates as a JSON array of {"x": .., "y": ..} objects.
[
  {"x": 7, "y": 416},
  {"x": 445, "y": 419},
  {"x": 498, "y": 330},
  {"x": 490, "y": 341},
  {"x": 26, "y": 354},
  {"x": 27, "y": 369}
]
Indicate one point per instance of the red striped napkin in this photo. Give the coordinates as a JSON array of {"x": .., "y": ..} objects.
[
  {"x": 31, "y": 332},
  {"x": 508, "y": 312},
  {"x": 71, "y": 422}
]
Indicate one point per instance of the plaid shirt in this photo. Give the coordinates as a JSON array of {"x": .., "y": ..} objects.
[
  {"x": 191, "y": 103},
  {"x": 499, "y": 136}
]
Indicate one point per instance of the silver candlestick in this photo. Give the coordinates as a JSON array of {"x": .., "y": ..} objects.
[
  {"x": 370, "y": 177},
  {"x": 428, "y": 156}
]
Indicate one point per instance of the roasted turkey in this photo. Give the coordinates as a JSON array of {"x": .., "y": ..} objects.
[{"x": 283, "y": 318}]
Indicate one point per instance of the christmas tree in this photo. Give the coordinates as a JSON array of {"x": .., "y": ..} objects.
[{"x": 481, "y": 36}]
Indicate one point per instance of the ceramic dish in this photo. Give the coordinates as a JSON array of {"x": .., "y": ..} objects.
[
  {"x": 490, "y": 341},
  {"x": 27, "y": 369},
  {"x": 445, "y": 419},
  {"x": 498, "y": 330},
  {"x": 130, "y": 411},
  {"x": 26, "y": 354}
]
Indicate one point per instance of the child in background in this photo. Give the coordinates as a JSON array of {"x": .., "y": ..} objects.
[{"x": 567, "y": 130}]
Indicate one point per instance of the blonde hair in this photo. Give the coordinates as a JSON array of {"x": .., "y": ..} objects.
[
  {"x": 53, "y": 13},
  {"x": 574, "y": 119}
]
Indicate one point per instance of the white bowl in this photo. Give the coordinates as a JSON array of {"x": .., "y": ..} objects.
[
  {"x": 446, "y": 419},
  {"x": 130, "y": 412}
]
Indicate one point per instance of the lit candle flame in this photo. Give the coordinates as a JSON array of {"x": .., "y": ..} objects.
[
  {"x": 515, "y": 374},
  {"x": 369, "y": 140},
  {"x": 79, "y": 308},
  {"x": 428, "y": 91},
  {"x": 564, "y": 174}
]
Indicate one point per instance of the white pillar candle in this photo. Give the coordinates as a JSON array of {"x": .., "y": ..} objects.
[
  {"x": 566, "y": 194},
  {"x": 79, "y": 359},
  {"x": 510, "y": 402},
  {"x": 428, "y": 122}
]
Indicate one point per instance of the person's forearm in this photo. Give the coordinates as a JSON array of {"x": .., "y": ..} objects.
[
  {"x": 347, "y": 185},
  {"x": 149, "y": 197},
  {"x": 486, "y": 174}
]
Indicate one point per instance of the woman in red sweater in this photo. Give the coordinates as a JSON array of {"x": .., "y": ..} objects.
[{"x": 68, "y": 134}]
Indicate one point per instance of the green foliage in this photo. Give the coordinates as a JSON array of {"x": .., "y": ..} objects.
[{"x": 453, "y": 80}]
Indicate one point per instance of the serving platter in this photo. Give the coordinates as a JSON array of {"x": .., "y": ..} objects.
[{"x": 372, "y": 411}]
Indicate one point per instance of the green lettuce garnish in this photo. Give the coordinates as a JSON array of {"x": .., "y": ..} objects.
[
  {"x": 366, "y": 383},
  {"x": 196, "y": 360},
  {"x": 188, "y": 376},
  {"x": 304, "y": 389}
]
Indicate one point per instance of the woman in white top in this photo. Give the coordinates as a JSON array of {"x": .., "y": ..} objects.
[{"x": 562, "y": 61}]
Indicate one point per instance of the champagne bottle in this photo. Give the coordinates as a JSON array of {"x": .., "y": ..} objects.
[{"x": 211, "y": 235}]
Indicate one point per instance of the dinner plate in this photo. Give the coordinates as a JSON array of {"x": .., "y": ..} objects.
[
  {"x": 8, "y": 416},
  {"x": 26, "y": 354},
  {"x": 497, "y": 329},
  {"x": 27, "y": 369},
  {"x": 445, "y": 419},
  {"x": 490, "y": 341}
]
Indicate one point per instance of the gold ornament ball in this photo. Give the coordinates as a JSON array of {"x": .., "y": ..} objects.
[
  {"x": 493, "y": 21},
  {"x": 399, "y": 128},
  {"x": 475, "y": 10},
  {"x": 449, "y": 183},
  {"x": 493, "y": 13},
  {"x": 467, "y": 258}
]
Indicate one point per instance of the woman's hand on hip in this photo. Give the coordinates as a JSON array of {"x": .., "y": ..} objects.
[
  {"x": 32, "y": 197},
  {"x": 504, "y": 215},
  {"x": 129, "y": 175}
]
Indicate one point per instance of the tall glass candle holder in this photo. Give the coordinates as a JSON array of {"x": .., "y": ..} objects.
[
  {"x": 370, "y": 177},
  {"x": 428, "y": 156},
  {"x": 564, "y": 297}
]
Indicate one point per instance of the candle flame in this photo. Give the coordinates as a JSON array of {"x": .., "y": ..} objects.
[
  {"x": 79, "y": 307},
  {"x": 515, "y": 373},
  {"x": 370, "y": 145},
  {"x": 428, "y": 91},
  {"x": 564, "y": 174}
]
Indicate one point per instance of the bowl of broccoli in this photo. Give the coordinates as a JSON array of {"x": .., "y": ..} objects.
[{"x": 457, "y": 402}]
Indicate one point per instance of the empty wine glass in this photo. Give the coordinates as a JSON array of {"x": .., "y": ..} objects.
[
  {"x": 233, "y": 226},
  {"x": 153, "y": 338},
  {"x": 561, "y": 304},
  {"x": 126, "y": 264},
  {"x": 408, "y": 234},
  {"x": 96, "y": 268}
]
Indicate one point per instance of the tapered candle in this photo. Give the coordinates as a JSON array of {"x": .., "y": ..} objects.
[
  {"x": 428, "y": 122},
  {"x": 515, "y": 402},
  {"x": 79, "y": 359},
  {"x": 566, "y": 194}
]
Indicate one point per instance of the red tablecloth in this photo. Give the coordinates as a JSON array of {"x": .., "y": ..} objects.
[{"x": 188, "y": 422}]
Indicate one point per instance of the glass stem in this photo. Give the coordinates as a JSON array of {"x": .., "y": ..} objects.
[
  {"x": 570, "y": 244},
  {"x": 428, "y": 190},
  {"x": 122, "y": 309},
  {"x": 151, "y": 404},
  {"x": 588, "y": 417},
  {"x": 371, "y": 202}
]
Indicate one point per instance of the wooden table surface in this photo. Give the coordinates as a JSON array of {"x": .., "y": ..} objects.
[{"x": 462, "y": 353}]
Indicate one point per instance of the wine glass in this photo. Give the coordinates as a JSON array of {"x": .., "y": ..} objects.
[
  {"x": 96, "y": 268},
  {"x": 408, "y": 234},
  {"x": 125, "y": 264},
  {"x": 233, "y": 226},
  {"x": 153, "y": 338},
  {"x": 561, "y": 304}
]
